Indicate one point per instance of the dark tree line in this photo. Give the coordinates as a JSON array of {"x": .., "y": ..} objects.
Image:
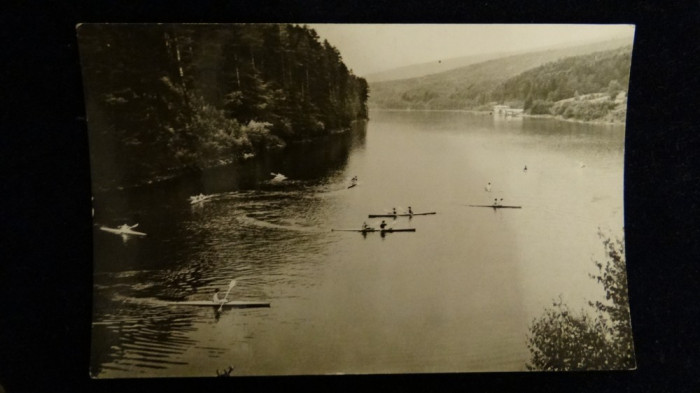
[{"x": 164, "y": 98}]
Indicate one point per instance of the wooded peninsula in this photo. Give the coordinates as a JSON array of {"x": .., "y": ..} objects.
[{"x": 165, "y": 99}]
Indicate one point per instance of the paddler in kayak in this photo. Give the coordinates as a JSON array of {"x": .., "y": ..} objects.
[
  {"x": 410, "y": 211},
  {"x": 366, "y": 227},
  {"x": 382, "y": 225},
  {"x": 125, "y": 227},
  {"x": 217, "y": 299},
  {"x": 278, "y": 177}
]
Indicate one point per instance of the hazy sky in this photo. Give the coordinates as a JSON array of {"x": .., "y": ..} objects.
[{"x": 369, "y": 48}]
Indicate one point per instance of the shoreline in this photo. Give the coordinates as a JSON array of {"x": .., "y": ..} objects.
[
  {"x": 490, "y": 113},
  {"x": 220, "y": 163},
  {"x": 592, "y": 122}
]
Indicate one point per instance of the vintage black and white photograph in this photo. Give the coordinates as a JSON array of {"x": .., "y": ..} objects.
[{"x": 322, "y": 199}]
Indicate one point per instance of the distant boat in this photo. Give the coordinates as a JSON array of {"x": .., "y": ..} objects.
[
  {"x": 498, "y": 206},
  {"x": 400, "y": 215},
  {"x": 232, "y": 304},
  {"x": 370, "y": 230},
  {"x": 278, "y": 177},
  {"x": 199, "y": 198},
  {"x": 123, "y": 230}
]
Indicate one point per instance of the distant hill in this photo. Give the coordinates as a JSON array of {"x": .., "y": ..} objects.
[
  {"x": 433, "y": 67},
  {"x": 443, "y": 65},
  {"x": 471, "y": 86}
]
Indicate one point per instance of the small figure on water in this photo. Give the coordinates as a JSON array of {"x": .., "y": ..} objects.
[
  {"x": 525, "y": 169},
  {"x": 410, "y": 211},
  {"x": 393, "y": 210},
  {"x": 383, "y": 224},
  {"x": 127, "y": 227},
  {"x": 216, "y": 297},
  {"x": 495, "y": 201},
  {"x": 366, "y": 227},
  {"x": 488, "y": 187},
  {"x": 278, "y": 177}
]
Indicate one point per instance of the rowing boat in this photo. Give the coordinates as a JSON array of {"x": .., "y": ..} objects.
[
  {"x": 498, "y": 206},
  {"x": 390, "y": 230},
  {"x": 400, "y": 215},
  {"x": 232, "y": 304},
  {"x": 122, "y": 231}
]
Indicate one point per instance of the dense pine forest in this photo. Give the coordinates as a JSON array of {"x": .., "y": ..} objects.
[
  {"x": 163, "y": 99},
  {"x": 520, "y": 82}
]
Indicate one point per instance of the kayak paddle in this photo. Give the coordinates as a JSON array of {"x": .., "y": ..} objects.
[{"x": 230, "y": 286}]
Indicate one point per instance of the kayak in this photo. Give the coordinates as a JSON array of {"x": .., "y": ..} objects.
[
  {"x": 199, "y": 198},
  {"x": 375, "y": 230},
  {"x": 498, "y": 206},
  {"x": 122, "y": 231},
  {"x": 232, "y": 304},
  {"x": 278, "y": 177},
  {"x": 400, "y": 215}
]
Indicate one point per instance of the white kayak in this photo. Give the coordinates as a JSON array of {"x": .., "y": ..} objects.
[
  {"x": 233, "y": 304},
  {"x": 199, "y": 198},
  {"x": 122, "y": 231},
  {"x": 278, "y": 177}
]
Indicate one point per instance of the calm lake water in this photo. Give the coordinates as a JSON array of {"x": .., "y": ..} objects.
[{"x": 455, "y": 296}]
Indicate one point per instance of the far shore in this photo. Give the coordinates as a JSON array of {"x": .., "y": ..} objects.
[
  {"x": 490, "y": 113},
  {"x": 596, "y": 122}
]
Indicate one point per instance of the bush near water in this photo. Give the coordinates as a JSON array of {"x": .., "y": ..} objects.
[{"x": 596, "y": 339}]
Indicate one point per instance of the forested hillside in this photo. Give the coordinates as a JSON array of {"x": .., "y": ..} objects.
[
  {"x": 542, "y": 78},
  {"x": 537, "y": 90},
  {"x": 165, "y": 98}
]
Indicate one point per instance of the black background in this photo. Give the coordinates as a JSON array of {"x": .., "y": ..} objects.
[{"x": 46, "y": 249}]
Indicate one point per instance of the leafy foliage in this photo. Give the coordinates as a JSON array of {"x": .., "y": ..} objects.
[
  {"x": 164, "y": 98},
  {"x": 572, "y": 76},
  {"x": 583, "y": 109},
  {"x": 596, "y": 339}
]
